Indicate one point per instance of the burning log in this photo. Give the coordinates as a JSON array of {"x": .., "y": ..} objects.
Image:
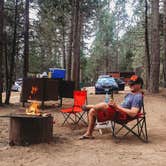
[{"x": 33, "y": 109}]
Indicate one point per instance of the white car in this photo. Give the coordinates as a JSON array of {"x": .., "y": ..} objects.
[{"x": 17, "y": 85}]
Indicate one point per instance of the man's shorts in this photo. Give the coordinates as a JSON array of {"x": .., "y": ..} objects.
[{"x": 112, "y": 114}]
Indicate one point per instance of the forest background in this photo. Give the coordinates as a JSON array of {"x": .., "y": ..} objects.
[{"x": 59, "y": 35}]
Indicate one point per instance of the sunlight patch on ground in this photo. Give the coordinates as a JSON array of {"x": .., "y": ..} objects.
[{"x": 15, "y": 97}]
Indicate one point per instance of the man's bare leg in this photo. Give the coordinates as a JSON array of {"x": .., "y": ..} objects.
[
  {"x": 91, "y": 122},
  {"x": 92, "y": 116}
]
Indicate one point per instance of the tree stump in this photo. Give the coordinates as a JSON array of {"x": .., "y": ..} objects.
[{"x": 30, "y": 129}]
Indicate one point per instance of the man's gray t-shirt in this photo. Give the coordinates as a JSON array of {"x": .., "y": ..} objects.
[{"x": 132, "y": 100}]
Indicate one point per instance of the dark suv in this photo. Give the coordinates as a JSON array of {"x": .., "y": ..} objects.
[{"x": 121, "y": 83}]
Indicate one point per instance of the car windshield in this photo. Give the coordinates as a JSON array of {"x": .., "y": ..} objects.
[{"x": 108, "y": 80}]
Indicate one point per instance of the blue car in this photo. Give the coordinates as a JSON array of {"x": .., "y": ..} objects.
[{"x": 105, "y": 83}]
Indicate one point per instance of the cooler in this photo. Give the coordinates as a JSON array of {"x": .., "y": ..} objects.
[{"x": 57, "y": 73}]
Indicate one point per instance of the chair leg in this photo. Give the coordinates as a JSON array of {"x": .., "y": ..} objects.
[
  {"x": 77, "y": 117},
  {"x": 67, "y": 117},
  {"x": 81, "y": 118},
  {"x": 141, "y": 132},
  {"x": 100, "y": 131},
  {"x": 145, "y": 128},
  {"x": 141, "y": 135},
  {"x": 130, "y": 129},
  {"x": 113, "y": 128}
]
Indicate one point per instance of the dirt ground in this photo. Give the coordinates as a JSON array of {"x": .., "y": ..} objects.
[{"x": 67, "y": 150}]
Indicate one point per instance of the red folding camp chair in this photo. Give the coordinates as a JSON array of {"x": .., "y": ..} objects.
[
  {"x": 75, "y": 113},
  {"x": 137, "y": 127}
]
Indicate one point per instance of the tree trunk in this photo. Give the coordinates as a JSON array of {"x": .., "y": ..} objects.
[
  {"x": 26, "y": 40},
  {"x": 69, "y": 58},
  {"x": 63, "y": 41},
  {"x": 117, "y": 59},
  {"x": 1, "y": 48},
  {"x": 17, "y": 66},
  {"x": 164, "y": 61},
  {"x": 147, "y": 54},
  {"x": 82, "y": 63},
  {"x": 155, "y": 53},
  {"x": 12, "y": 60},
  {"x": 6, "y": 63},
  {"x": 63, "y": 47},
  {"x": 80, "y": 29},
  {"x": 75, "y": 39},
  {"x": 76, "y": 45},
  {"x": 107, "y": 58}
]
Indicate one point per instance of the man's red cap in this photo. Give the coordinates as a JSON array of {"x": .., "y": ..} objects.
[{"x": 136, "y": 80}]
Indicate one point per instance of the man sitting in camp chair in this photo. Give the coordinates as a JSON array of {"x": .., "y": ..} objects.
[{"x": 129, "y": 108}]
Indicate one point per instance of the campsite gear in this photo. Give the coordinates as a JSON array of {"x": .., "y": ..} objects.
[{"x": 80, "y": 99}]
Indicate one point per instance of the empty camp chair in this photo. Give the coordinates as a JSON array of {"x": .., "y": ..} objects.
[
  {"x": 75, "y": 113},
  {"x": 137, "y": 127}
]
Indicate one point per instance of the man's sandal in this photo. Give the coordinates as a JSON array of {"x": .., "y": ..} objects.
[{"x": 86, "y": 137}]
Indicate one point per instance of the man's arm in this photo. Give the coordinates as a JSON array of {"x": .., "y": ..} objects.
[
  {"x": 131, "y": 112},
  {"x": 135, "y": 106}
]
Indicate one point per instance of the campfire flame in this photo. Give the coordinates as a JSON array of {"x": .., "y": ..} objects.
[
  {"x": 33, "y": 92},
  {"x": 34, "y": 107}
]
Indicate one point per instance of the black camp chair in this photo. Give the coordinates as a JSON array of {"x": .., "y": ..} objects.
[{"x": 137, "y": 127}]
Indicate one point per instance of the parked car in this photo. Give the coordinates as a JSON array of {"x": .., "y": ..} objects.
[
  {"x": 105, "y": 82},
  {"x": 121, "y": 83},
  {"x": 17, "y": 86},
  {"x": 103, "y": 76}
]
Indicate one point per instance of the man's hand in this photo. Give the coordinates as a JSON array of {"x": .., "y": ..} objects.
[{"x": 112, "y": 103}]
